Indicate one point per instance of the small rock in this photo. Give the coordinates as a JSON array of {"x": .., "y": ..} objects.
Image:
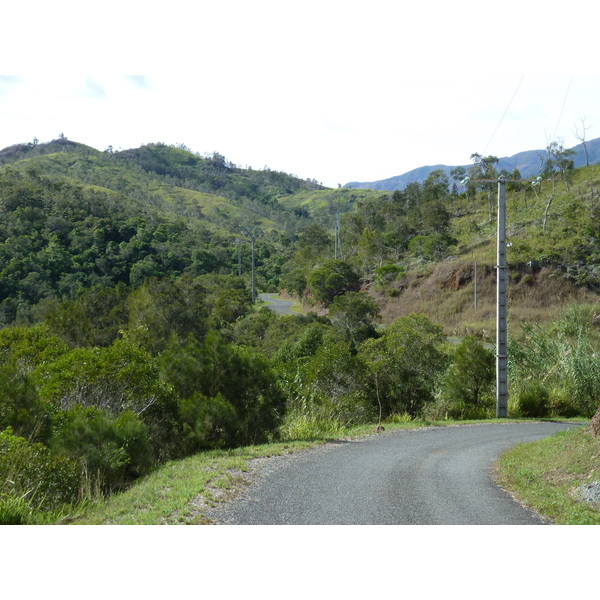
[{"x": 590, "y": 492}]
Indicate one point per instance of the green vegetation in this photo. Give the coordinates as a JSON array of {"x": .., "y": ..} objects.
[
  {"x": 548, "y": 475},
  {"x": 129, "y": 342}
]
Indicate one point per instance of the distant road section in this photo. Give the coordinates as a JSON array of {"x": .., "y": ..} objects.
[{"x": 281, "y": 307}]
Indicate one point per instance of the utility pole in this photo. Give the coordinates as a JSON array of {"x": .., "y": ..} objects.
[
  {"x": 338, "y": 238},
  {"x": 501, "y": 311},
  {"x": 475, "y": 286},
  {"x": 253, "y": 279},
  {"x": 501, "y": 324}
]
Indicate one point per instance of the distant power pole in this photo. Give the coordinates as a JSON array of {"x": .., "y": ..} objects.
[
  {"x": 475, "y": 286},
  {"x": 253, "y": 278},
  {"x": 338, "y": 239}
]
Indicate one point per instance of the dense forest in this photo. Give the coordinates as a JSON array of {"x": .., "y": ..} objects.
[{"x": 129, "y": 335}]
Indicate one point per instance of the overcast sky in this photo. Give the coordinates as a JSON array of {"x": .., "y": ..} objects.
[{"x": 332, "y": 91}]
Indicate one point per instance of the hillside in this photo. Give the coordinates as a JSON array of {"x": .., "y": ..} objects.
[
  {"x": 74, "y": 218},
  {"x": 529, "y": 164},
  {"x": 420, "y": 250}
]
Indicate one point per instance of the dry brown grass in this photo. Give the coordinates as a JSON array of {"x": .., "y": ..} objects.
[{"x": 446, "y": 296}]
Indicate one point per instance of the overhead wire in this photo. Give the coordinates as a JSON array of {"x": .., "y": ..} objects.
[
  {"x": 562, "y": 108},
  {"x": 505, "y": 111}
]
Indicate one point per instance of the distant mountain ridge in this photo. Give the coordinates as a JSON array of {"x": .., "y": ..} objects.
[{"x": 527, "y": 162}]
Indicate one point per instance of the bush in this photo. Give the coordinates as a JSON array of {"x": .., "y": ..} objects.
[
  {"x": 110, "y": 451},
  {"x": 405, "y": 364},
  {"x": 240, "y": 377},
  {"x": 444, "y": 409},
  {"x": 208, "y": 423},
  {"x": 533, "y": 401},
  {"x": 15, "y": 510},
  {"x": 470, "y": 377},
  {"x": 31, "y": 472},
  {"x": 561, "y": 405},
  {"x": 21, "y": 407}
]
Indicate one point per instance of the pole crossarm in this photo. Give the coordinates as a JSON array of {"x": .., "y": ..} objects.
[{"x": 498, "y": 179}]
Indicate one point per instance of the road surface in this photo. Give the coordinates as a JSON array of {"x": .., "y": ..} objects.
[
  {"x": 432, "y": 476},
  {"x": 279, "y": 306}
]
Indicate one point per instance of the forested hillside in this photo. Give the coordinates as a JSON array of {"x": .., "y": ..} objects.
[
  {"x": 129, "y": 336},
  {"x": 74, "y": 218}
]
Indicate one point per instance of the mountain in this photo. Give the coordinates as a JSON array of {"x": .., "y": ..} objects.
[{"x": 527, "y": 162}]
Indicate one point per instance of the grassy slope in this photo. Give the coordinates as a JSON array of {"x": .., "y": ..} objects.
[
  {"x": 98, "y": 171},
  {"x": 445, "y": 291},
  {"x": 546, "y": 475}
]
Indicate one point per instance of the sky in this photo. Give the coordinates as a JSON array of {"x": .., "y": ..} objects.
[{"x": 331, "y": 91}]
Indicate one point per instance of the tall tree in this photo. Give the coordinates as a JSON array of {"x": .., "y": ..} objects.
[{"x": 484, "y": 167}]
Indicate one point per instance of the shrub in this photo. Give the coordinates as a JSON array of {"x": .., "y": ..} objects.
[
  {"x": 470, "y": 377},
  {"x": 31, "y": 472},
  {"x": 15, "y": 510},
  {"x": 533, "y": 401},
  {"x": 405, "y": 364},
  {"x": 242, "y": 378},
  {"x": 208, "y": 423},
  {"x": 561, "y": 405},
  {"x": 110, "y": 451},
  {"x": 444, "y": 408},
  {"x": 21, "y": 407}
]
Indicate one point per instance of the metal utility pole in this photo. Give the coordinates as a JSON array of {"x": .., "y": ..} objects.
[{"x": 501, "y": 325}]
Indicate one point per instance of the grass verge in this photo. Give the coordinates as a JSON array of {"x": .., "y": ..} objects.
[{"x": 547, "y": 474}]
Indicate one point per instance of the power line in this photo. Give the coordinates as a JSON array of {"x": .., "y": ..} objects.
[
  {"x": 562, "y": 108},
  {"x": 502, "y": 118}
]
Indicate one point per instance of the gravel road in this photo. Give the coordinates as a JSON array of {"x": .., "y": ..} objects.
[{"x": 433, "y": 476}]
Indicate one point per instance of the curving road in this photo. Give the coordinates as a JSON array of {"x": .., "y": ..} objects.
[
  {"x": 433, "y": 476},
  {"x": 281, "y": 307}
]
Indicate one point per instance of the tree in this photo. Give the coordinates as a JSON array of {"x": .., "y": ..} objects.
[
  {"x": 353, "y": 314},
  {"x": 471, "y": 374},
  {"x": 333, "y": 278},
  {"x": 580, "y": 135},
  {"x": 435, "y": 187},
  {"x": 408, "y": 360},
  {"x": 484, "y": 168},
  {"x": 457, "y": 174},
  {"x": 560, "y": 159},
  {"x": 237, "y": 383},
  {"x": 160, "y": 308},
  {"x": 557, "y": 162}
]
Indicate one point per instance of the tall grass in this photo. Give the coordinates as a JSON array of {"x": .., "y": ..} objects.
[{"x": 564, "y": 359}]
